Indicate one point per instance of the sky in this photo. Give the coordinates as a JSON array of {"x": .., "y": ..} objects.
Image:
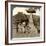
[{"x": 23, "y": 9}]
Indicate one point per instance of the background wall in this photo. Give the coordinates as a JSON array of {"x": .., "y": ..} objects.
[
  {"x": 2, "y": 24},
  {"x": 45, "y": 22}
]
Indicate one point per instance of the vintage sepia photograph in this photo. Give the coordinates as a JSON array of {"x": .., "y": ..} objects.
[{"x": 25, "y": 22}]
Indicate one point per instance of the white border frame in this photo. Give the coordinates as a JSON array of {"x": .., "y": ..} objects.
[{"x": 19, "y": 40}]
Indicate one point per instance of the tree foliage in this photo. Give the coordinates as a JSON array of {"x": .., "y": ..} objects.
[{"x": 36, "y": 21}]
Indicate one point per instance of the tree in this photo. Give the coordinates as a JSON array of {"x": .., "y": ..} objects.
[
  {"x": 36, "y": 21},
  {"x": 31, "y": 10},
  {"x": 19, "y": 18}
]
